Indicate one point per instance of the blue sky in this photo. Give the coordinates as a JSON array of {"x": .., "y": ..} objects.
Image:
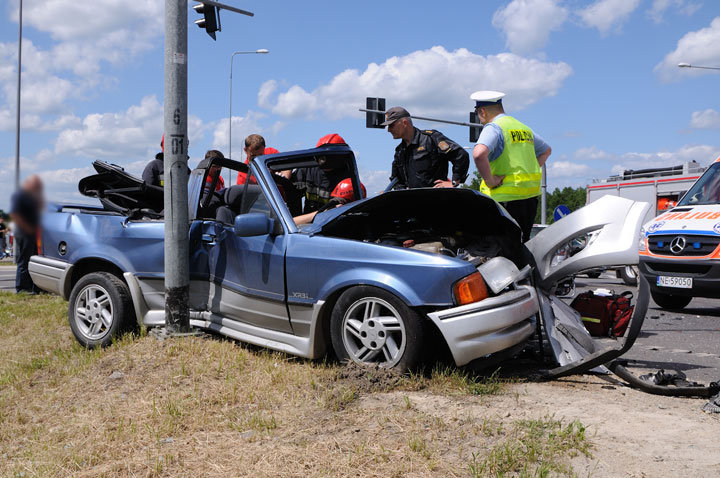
[{"x": 597, "y": 79}]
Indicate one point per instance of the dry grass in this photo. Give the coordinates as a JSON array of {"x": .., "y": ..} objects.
[{"x": 209, "y": 407}]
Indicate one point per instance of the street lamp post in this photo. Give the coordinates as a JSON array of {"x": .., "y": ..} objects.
[
  {"x": 688, "y": 65},
  {"x": 260, "y": 51},
  {"x": 17, "y": 112}
]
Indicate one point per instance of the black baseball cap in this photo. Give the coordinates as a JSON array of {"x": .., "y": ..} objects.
[{"x": 394, "y": 114}]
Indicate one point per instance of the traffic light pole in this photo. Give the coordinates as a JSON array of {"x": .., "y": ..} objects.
[{"x": 177, "y": 261}]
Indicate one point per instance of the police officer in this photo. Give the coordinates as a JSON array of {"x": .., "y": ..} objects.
[
  {"x": 421, "y": 158},
  {"x": 508, "y": 155}
]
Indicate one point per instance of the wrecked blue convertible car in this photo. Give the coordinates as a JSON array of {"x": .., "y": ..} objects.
[{"x": 381, "y": 280}]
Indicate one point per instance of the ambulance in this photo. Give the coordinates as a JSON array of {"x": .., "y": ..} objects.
[{"x": 680, "y": 249}]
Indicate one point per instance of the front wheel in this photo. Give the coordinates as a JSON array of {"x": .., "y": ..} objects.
[
  {"x": 670, "y": 302},
  {"x": 629, "y": 275},
  {"x": 100, "y": 309},
  {"x": 373, "y": 327}
]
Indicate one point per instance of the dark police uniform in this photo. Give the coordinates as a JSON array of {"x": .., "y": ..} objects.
[
  {"x": 425, "y": 160},
  {"x": 318, "y": 185}
]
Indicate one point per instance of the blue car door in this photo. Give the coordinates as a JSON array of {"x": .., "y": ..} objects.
[{"x": 248, "y": 272}]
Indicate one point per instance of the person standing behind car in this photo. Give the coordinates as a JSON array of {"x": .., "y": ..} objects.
[
  {"x": 3, "y": 240},
  {"x": 421, "y": 158},
  {"x": 508, "y": 155},
  {"x": 25, "y": 207}
]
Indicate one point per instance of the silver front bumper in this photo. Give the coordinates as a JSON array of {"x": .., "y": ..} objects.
[
  {"x": 50, "y": 275},
  {"x": 491, "y": 325}
]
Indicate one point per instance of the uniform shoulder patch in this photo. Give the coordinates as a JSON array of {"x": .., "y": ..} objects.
[{"x": 443, "y": 145}]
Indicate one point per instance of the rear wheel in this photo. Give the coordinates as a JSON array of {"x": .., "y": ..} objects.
[
  {"x": 629, "y": 275},
  {"x": 100, "y": 309},
  {"x": 371, "y": 326},
  {"x": 671, "y": 302}
]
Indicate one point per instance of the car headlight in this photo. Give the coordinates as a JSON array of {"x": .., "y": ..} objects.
[
  {"x": 641, "y": 240},
  {"x": 470, "y": 289},
  {"x": 573, "y": 246}
]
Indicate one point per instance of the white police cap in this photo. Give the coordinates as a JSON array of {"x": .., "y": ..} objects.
[{"x": 487, "y": 97}]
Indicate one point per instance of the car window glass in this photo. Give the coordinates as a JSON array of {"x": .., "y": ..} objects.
[{"x": 706, "y": 190}]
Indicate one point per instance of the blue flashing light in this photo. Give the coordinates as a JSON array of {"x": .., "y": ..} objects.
[
  {"x": 696, "y": 245},
  {"x": 661, "y": 243}
]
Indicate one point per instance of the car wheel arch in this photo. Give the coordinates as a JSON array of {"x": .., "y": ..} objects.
[{"x": 88, "y": 265}]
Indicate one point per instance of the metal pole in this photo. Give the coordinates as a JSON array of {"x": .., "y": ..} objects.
[
  {"x": 543, "y": 197},
  {"x": 177, "y": 263},
  {"x": 436, "y": 120},
  {"x": 17, "y": 118},
  {"x": 230, "y": 119}
]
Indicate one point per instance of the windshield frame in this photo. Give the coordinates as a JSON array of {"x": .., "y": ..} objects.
[{"x": 710, "y": 178}]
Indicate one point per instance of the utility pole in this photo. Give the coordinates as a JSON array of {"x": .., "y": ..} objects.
[
  {"x": 543, "y": 196},
  {"x": 177, "y": 261},
  {"x": 17, "y": 118}
]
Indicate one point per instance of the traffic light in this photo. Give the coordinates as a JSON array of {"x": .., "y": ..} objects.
[
  {"x": 211, "y": 18},
  {"x": 474, "y": 130},
  {"x": 372, "y": 119}
]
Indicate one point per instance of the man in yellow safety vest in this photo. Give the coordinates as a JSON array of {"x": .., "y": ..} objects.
[{"x": 508, "y": 156}]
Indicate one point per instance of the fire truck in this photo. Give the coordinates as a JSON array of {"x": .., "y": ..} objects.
[{"x": 661, "y": 187}]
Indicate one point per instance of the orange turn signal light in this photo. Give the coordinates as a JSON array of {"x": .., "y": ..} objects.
[{"x": 470, "y": 289}]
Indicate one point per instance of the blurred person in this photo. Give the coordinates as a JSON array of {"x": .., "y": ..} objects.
[
  {"x": 214, "y": 171},
  {"x": 25, "y": 207},
  {"x": 421, "y": 159},
  {"x": 3, "y": 241},
  {"x": 342, "y": 194},
  {"x": 154, "y": 172}
]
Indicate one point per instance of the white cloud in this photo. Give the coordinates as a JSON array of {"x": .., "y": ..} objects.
[
  {"x": 241, "y": 127},
  {"x": 701, "y": 47},
  {"x": 428, "y": 82},
  {"x": 705, "y": 119},
  {"x": 607, "y": 14},
  {"x": 567, "y": 169},
  {"x": 592, "y": 153},
  {"x": 527, "y": 23},
  {"x": 84, "y": 35},
  {"x": 659, "y": 7},
  {"x": 703, "y": 154},
  {"x": 130, "y": 134}
]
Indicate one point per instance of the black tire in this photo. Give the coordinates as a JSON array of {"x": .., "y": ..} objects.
[
  {"x": 629, "y": 275},
  {"x": 109, "y": 314},
  {"x": 372, "y": 342},
  {"x": 593, "y": 274},
  {"x": 670, "y": 302}
]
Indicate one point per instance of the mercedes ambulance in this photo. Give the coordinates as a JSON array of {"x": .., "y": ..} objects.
[{"x": 680, "y": 249}]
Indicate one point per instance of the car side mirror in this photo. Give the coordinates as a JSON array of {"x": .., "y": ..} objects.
[{"x": 253, "y": 224}]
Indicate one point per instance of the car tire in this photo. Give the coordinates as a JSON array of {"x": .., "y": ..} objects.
[
  {"x": 593, "y": 274},
  {"x": 100, "y": 309},
  {"x": 371, "y": 326},
  {"x": 670, "y": 302},
  {"x": 629, "y": 275}
]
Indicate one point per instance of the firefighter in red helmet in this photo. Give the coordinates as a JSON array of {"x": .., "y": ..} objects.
[
  {"x": 317, "y": 183},
  {"x": 342, "y": 194}
]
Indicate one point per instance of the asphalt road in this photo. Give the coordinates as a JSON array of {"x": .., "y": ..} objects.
[
  {"x": 7, "y": 277},
  {"x": 687, "y": 341}
]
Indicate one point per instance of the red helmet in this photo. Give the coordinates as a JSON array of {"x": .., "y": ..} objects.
[
  {"x": 344, "y": 190},
  {"x": 162, "y": 143},
  {"x": 270, "y": 151},
  {"x": 332, "y": 138}
]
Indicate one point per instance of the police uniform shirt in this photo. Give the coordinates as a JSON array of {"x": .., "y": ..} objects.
[
  {"x": 492, "y": 137},
  {"x": 425, "y": 160}
]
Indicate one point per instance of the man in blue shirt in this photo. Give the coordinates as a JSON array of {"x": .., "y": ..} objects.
[{"x": 25, "y": 207}]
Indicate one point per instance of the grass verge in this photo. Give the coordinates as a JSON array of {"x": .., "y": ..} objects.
[{"x": 204, "y": 406}]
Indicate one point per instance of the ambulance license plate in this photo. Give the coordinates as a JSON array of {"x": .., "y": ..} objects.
[{"x": 677, "y": 282}]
